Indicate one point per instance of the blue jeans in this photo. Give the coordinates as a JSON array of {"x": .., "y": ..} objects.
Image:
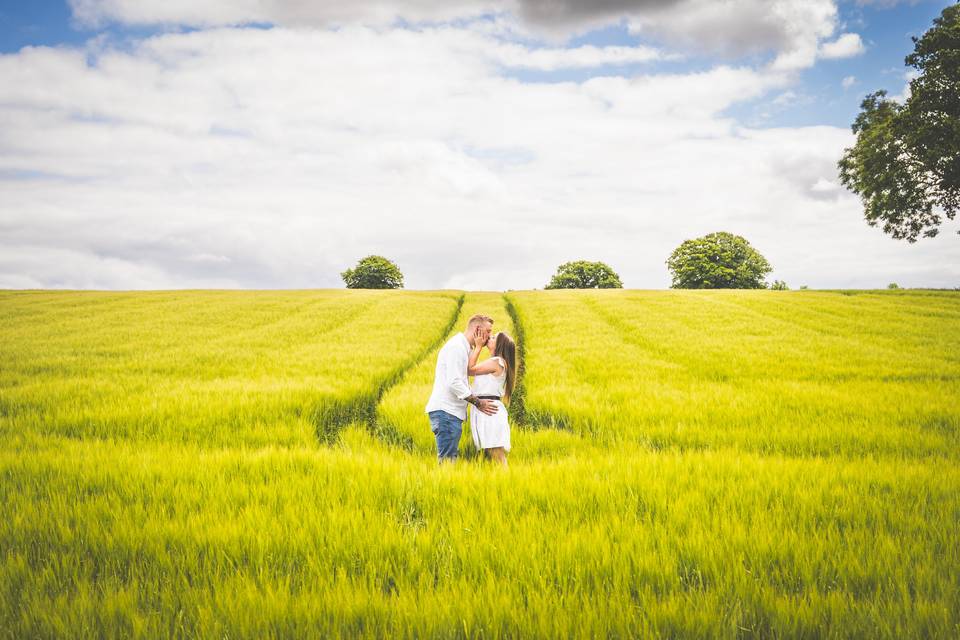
[{"x": 447, "y": 429}]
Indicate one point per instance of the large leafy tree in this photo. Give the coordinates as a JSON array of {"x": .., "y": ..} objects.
[
  {"x": 373, "y": 272},
  {"x": 717, "y": 261},
  {"x": 905, "y": 164},
  {"x": 582, "y": 274}
]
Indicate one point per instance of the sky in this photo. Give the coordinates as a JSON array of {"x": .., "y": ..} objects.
[{"x": 155, "y": 144}]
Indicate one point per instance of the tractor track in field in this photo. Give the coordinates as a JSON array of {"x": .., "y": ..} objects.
[
  {"x": 518, "y": 402},
  {"x": 331, "y": 416},
  {"x": 520, "y": 417},
  {"x": 519, "y": 412},
  {"x": 334, "y": 415}
]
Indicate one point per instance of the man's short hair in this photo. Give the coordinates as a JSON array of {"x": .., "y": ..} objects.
[{"x": 477, "y": 319}]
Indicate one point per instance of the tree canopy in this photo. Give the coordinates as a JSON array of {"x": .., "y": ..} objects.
[
  {"x": 582, "y": 274},
  {"x": 905, "y": 164},
  {"x": 373, "y": 272},
  {"x": 717, "y": 261}
]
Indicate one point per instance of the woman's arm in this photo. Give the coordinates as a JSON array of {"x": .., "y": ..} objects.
[
  {"x": 474, "y": 356},
  {"x": 490, "y": 365}
]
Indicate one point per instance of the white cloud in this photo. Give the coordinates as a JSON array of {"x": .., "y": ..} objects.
[
  {"x": 586, "y": 56},
  {"x": 278, "y": 157},
  {"x": 784, "y": 99},
  {"x": 846, "y": 45},
  {"x": 789, "y": 29},
  {"x": 848, "y": 82},
  {"x": 282, "y": 12},
  {"x": 904, "y": 94},
  {"x": 886, "y": 4},
  {"x": 825, "y": 186}
]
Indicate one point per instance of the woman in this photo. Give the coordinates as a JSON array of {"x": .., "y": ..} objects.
[{"x": 494, "y": 380}]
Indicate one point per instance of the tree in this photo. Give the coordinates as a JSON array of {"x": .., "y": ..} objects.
[
  {"x": 584, "y": 275},
  {"x": 905, "y": 163},
  {"x": 373, "y": 272},
  {"x": 779, "y": 285},
  {"x": 893, "y": 285},
  {"x": 718, "y": 261}
]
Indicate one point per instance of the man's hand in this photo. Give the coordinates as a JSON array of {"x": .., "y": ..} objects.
[
  {"x": 488, "y": 407},
  {"x": 478, "y": 340}
]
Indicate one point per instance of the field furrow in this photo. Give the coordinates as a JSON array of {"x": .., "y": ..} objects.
[
  {"x": 361, "y": 409},
  {"x": 400, "y": 416}
]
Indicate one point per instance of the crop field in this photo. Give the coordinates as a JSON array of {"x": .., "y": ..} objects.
[{"x": 725, "y": 464}]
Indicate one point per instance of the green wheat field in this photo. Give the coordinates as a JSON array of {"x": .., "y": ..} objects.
[{"x": 244, "y": 464}]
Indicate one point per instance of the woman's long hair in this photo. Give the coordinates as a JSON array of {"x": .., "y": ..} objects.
[{"x": 507, "y": 349}]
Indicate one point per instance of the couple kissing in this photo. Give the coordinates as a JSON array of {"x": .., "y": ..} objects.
[{"x": 487, "y": 397}]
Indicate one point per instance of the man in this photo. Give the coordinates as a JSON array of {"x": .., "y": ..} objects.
[{"x": 447, "y": 406}]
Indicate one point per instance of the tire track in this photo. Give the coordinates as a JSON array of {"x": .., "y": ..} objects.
[
  {"x": 519, "y": 411},
  {"x": 331, "y": 416}
]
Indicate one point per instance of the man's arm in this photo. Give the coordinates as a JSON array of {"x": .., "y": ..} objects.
[
  {"x": 456, "y": 366},
  {"x": 457, "y": 380}
]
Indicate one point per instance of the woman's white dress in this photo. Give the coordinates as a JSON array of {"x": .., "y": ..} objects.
[{"x": 490, "y": 431}]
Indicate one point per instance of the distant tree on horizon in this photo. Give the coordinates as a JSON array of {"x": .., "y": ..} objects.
[
  {"x": 582, "y": 274},
  {"x": 719, "y": 260},
  {"x": 373, "y": 272},
  {"x": 905, "y": 163},
  {"x": 779, "y": 285}
]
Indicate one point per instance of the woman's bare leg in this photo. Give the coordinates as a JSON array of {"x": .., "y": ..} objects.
[{"x": 499, "y": 454}]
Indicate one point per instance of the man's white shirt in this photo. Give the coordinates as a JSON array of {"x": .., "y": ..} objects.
[{"x": 450, "y": 385}]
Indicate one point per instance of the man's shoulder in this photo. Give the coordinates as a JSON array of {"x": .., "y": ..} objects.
[{"x": 456, "y": 341}]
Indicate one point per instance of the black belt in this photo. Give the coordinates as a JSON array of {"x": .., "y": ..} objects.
[{"x": 488, "y": 397}]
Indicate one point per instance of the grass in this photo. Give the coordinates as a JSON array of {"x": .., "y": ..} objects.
[
  {"x": 697, "y": 464},
  {"x": 803, "y": 373},
  {"x": 212, "y": 368}
]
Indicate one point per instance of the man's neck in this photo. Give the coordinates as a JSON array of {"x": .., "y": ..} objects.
[{"x": 467, "y": 336}]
